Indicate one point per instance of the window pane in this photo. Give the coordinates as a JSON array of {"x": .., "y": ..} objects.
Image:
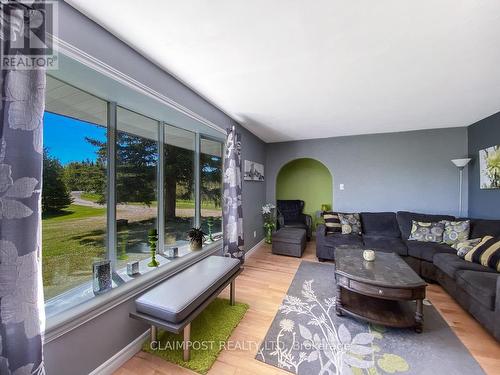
[
  {"x": 179, "y": 184},
  {"x": 211, "y": 187},
  {"x": 74, "y": 186},
  {"x": 136, "y": 179}
]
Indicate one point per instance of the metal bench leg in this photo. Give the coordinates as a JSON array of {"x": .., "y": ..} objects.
[
  {"x": 232, "y": 293},
  {"x": 187, "y": 339},
  {"x": 154, "y": 334}
]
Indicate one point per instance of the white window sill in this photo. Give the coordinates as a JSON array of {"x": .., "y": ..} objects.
[{"x": 61, "y": 319}]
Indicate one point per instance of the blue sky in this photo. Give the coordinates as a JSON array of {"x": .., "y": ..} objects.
[{"x": 65, "y": 138}]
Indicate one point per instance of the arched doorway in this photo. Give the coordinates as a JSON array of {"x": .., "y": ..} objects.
[{"x": 306, "y": 179}]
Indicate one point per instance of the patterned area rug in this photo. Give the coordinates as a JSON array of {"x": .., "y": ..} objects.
[{"x": 306, "y": 337}]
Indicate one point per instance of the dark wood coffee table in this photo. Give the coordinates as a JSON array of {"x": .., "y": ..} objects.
[{"x": 382, "y": 292}]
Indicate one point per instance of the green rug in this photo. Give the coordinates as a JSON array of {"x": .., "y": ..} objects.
[{"x": 209, "y": 331}]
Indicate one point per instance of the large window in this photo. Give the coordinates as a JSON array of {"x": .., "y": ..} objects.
[
  {"x": 74, "y": 185},
  {"x": 211, "y": 186},
  {"x": 111, "y": 175},
  {"x": 180, "y": 207},
  {"x": 136, "y": 184}
]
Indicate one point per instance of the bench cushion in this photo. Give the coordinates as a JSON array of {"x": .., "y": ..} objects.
[{"x": 175, "y": 298}]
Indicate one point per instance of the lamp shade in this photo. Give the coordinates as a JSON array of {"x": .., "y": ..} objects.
[{"x": 460, "y": 163}]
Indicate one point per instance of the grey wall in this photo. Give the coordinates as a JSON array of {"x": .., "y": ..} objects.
[
  {"x": 383, "y": 172},
  {"x": 91, "y": 344},
  {"x": 485, "y": 133}
]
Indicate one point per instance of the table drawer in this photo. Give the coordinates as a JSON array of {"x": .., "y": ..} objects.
[{"x": 380, "y": 291}]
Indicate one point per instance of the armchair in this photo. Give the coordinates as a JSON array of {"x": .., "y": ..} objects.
[{"x": 290, "y": 215}]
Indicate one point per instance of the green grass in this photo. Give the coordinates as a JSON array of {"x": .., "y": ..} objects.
[
  {"x": 73, "y": 212},
  {"x": 209, "y": 331}
]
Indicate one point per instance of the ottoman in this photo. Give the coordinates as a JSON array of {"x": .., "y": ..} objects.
[{"x": 289, "y": 241}]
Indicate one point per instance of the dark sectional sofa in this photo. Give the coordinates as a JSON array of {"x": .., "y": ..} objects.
[{"x": 475, "y": 287}]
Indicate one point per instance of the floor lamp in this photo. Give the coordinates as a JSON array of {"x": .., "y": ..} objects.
[{"x": 460, "y": 164}]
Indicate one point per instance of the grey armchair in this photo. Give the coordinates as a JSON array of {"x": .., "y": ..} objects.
[{"x": 290, "y": 215}]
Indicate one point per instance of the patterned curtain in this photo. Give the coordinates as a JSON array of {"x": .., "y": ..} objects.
[
  {"x": 21, "y": 149},
  {"x": 232, "y": 211}
]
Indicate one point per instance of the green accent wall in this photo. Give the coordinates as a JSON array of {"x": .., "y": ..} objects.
[{"x": 308, "y": 180}]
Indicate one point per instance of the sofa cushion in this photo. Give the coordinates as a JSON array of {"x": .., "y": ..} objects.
[
  {"x": 427, "y": 250},
  {"x": 456, "y": 231},
  {"x": 426, "y": 231},
  {"x": 343, "y": 240},
  {"x": 450, "y": 264},
  {"x": 464, "y": 247},
  {"x": 480, "y": 228},
  {"x": 482, "y": 286},
  {"x": 385, "y": 244},
  {"x": 332, "y": 221},
  {"x": 486, "y": 252},
  {"x": 380, "y": 224},
  {"x": 350, "y": 223},
  {"x": 404, "y": 220}
]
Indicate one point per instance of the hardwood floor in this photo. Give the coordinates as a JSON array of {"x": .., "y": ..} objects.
[{"x": 263, "y": 284}]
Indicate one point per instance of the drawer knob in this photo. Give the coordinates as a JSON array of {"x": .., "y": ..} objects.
[{"x": 380, "y": 291}]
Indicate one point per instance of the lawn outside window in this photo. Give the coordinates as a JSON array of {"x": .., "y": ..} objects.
[{"x": 111, "y": 175}]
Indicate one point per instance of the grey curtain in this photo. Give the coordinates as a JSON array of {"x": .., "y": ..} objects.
[
  {"x": 21, "y": 148},
  {"x": 232, "y": 212}
]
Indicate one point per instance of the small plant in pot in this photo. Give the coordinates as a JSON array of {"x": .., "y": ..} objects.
[{"x": 196, "y": 238}]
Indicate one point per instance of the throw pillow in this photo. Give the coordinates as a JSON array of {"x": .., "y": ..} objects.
[
  {"x": 332, "y": 222},
  {"x": 426, "y": 232},
  {"x": 464, "y": 247},
  {"x": 455, "y": 231},
  {"x": 486, "y": 252},
  {"x": 351, "y": 223}
]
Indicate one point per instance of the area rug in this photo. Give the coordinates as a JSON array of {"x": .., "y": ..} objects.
[
  {"x": 306, "y": 337},
  {"x": 209, "y": 333}
]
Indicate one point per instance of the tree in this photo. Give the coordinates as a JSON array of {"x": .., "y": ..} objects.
[
  {"x": 87, "y": 176},
  {"x": 211, "y": 177},
  {"x": 136, "y": 164},
  {"x": 179, "y": 177},
  {"x": 55, "y": 194}
]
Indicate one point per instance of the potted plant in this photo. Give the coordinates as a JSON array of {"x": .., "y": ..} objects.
[
  {"x": 153, "y": 239},
  {"x": 268, "y": 213},
  {"x": 196, "y": 238}
]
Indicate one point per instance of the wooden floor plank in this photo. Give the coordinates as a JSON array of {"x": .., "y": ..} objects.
[{"x": 263, "y": 284}]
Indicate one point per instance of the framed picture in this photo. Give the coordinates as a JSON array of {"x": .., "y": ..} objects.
[
  {"x": 253, "y": 171},
  {"x": 489, "y": 167}
]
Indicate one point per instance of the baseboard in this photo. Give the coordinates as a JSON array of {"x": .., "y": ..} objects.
[
  {"x": 257, "y": 245},
  {"x": 117, "y": 361}
]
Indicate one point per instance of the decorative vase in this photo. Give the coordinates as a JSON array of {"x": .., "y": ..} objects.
[
  {"x": 153, "y": 239},
  {"x": 196, "y": 245},
  {"x": 101, "y": 277},
  {"x": 210, "y": 224},
  {"x": 269, "y": 234},
  {"x": 369, "y": 255}
]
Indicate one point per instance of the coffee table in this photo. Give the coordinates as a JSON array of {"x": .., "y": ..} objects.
[{"x": 386, "y": 291}]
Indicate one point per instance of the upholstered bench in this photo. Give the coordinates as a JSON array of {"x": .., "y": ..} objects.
[
  {"x": 173, "y": 304},
  {"x": 289, "y": 241}
]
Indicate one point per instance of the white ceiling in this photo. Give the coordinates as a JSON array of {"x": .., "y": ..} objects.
[{"x": 297, "y": 69}]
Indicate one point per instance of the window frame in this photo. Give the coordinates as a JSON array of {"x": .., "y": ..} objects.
[{"x": 75, "y": 316}]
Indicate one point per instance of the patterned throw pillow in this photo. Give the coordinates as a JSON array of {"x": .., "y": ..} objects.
[
  {"x": 332, "y": 222},
  {"x": 464, "y": 247},
  {"x": 351, "y": 223},
  {"x": 486, "y": 252},
  {"x": 426, "y": 232},
  {"x": 456, "y": 231}
]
